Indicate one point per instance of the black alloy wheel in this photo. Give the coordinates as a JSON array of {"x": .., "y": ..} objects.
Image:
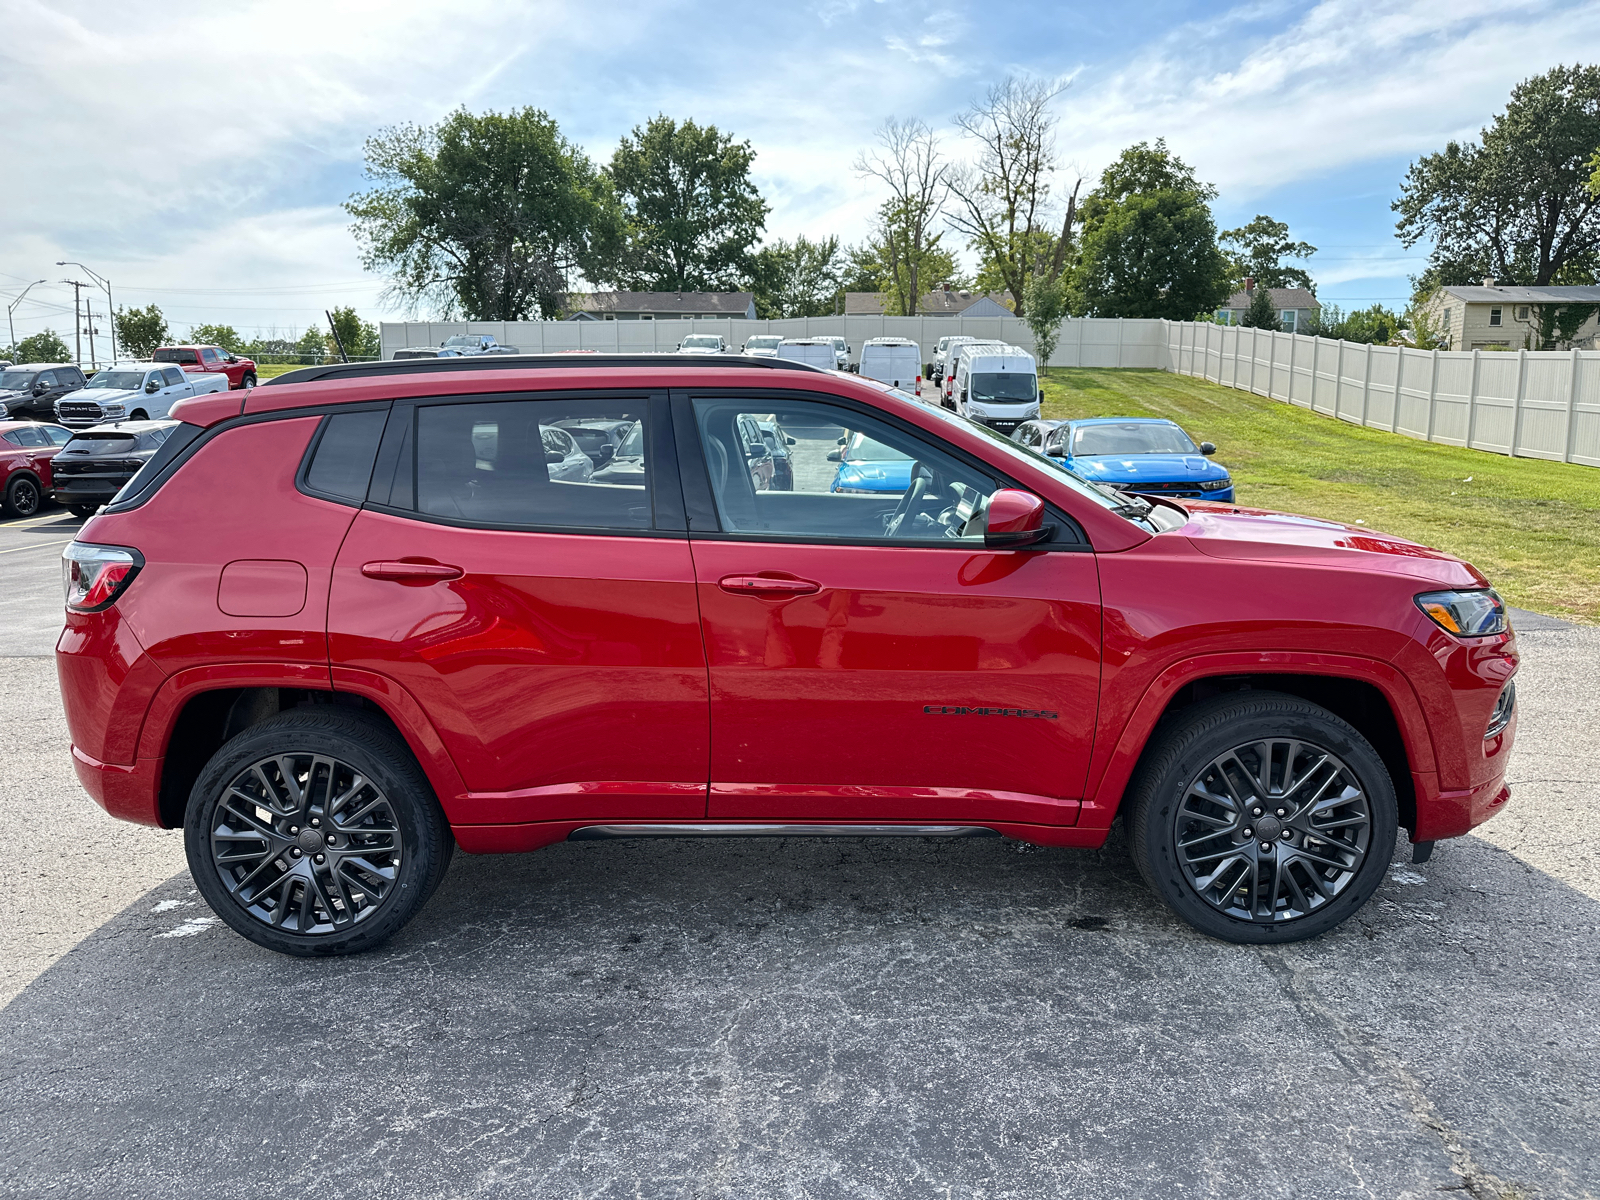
[
  {"x": 315, "y": 833},
  {"x": 23, "y": 496},
  {"x": 1262, "y": 818}
]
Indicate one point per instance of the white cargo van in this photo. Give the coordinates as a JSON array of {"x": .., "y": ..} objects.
[
  {"x": 952, "y": 356},
  {"x": 892, "y": 360},
  {"x": 819, "y": 352},
  {"x": 941, "y": 352},
  {"x": 997, "y": 386}
]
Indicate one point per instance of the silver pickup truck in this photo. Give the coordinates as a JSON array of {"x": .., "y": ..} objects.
[{"x": 133, "y": 391}]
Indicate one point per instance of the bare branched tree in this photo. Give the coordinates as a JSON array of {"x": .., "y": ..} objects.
[
  {"x": 1004, "y": 198},
  {"x": 909, "y": 162}
]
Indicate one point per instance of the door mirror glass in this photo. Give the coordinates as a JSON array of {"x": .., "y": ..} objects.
[
  {"x": 1014, "y": 518},
  {"x": 1207, "y": 448}
]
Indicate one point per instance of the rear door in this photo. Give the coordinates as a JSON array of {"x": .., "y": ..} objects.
[
  {"x": 546, "y": 622},
  {"x": 869, "y": 659}
]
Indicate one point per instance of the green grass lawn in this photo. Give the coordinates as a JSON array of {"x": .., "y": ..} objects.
[{"x": 1533, "y": 527}]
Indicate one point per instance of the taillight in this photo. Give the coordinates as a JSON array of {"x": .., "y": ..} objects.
[{"x": 94, "y": 576}]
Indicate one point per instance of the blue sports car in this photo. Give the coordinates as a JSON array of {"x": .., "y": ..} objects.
[
  {"x": 867, "y": 467},
  {"x": 1135, "y": 454}
]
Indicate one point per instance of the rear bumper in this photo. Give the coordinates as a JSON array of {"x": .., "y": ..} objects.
[
  {"x": 127, "y": 792},
  {"x": 88, "y": 491}
]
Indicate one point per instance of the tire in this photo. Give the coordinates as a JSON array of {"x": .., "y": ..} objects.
[
  {"x": 23, "y": 496},
  {"x": 139, "y": 414},
  {"x": 247, "y": 380},
  {"x": 321, "y": 894},
  {"x": 83, "y": 510},
  {"x": 1196, "y": 831}
]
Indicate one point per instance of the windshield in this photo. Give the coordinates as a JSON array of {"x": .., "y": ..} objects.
[
  {"x": 17, "y": 381},
  {"x": 763, "y": 342},
  {"x": 176, "y": 356},
  {"x": 633, "y": 445},
  {"x": 703, "y": 342},
  {"x": 122, "y": 381},
  {"x": 1131, "y": 437},
  {"x": 861, "y": 448},
  {"x": 1003, "y": 386},
  {"x": 462, "y": 339}
]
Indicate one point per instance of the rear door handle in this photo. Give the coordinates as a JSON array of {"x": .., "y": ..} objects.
[
  {"x": 765, "y": 585},
  {"x": 411, "y": 572}
]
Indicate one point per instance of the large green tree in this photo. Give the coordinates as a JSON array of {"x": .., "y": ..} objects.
[
  {"x": 225, "y": 336},
  {"x": 1516, "y": 204},
  {"x": 693, "y": 215},
  {"x": 360, "y": 338},
  {"x": 1257, "y": 250},
  {"x": 1260, "y": 314},
  {"x": 908, "y": 161},
  {"x": 46, "y": 347},
  {"x": 797, "y": 279},
  {"x": 1149, "y": 243},
  {"x": 486, "y": 217},
  {"x": 141, "y": 330}
]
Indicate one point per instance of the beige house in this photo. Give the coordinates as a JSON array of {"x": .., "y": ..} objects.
[
  {"x": 946, "y": 302},
  {"x": 1505, "y": 318},
  {"x": 1294, "y": 306}
]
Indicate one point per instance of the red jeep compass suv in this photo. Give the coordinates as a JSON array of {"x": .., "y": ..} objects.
[{"x": 343, "y": 623}]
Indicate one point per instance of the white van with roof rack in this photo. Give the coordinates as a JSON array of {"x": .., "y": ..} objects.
[
  {"x": 997, "y": 386},
  {"x": 896, "y": 361}
]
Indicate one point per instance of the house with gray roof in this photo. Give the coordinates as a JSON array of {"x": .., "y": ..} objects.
[
  {"x": 1294, "y": 306},
  {"x": 945, "y": 302},
  {"x": 659, "y": 306},
  {"x": 1488, "y": 317}
]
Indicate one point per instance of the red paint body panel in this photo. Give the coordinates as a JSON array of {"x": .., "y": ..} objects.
[
  {"x": 555, "y": 660},
  {"x": 127, "y": 792},
  {"x": 30, "y": 460},
  {"x": 107, "y": 681}
]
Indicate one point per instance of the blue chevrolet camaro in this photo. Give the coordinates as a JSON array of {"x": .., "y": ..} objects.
[
  {"x": 868, "y": 467},
  {"x": 1135, "y": 454}
]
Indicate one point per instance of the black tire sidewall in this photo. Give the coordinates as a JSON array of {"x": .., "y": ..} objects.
[
  {"x": 17, "y": 486},
  {"x": 424, "y": 836},
  {"x": 1213, "y": 728}
]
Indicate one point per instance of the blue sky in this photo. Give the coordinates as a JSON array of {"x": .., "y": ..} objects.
[{"x": 197, "y": 153}]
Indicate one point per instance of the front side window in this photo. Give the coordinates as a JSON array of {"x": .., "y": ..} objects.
[
  {"x": 57, "y": 435},
  {"x": 46, "y": 379},
  {"x": 510, "y": 463},
  {"x": 856, "y": 478},
  {"x": 210, "y": 355}
]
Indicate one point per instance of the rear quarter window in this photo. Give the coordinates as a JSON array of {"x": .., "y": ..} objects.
[{"x": 341, "y": 461}]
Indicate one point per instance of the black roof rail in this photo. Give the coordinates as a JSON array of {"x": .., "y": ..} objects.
[{"x": 502, "y": 362}]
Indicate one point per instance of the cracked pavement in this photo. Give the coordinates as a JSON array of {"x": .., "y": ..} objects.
[{"x": 889, "y": 1018}]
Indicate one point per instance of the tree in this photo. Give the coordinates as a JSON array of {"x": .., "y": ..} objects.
[
  {"x": 360, "y": 337},
  {"x": 693, "y": 216},
  {"x": 1261, "y": 314},
  {"x": 141, "y": 330},
  {"x": 1004, "y": 200},
  {"x": 44, "y": 347},
  {"x": 909, "y": 162},
  {"x": 1516, "y": 205},
  {"x": 797, "y": 279},
  {"x": 483, "y": 216},
  {"x": 1258, "y": 251},
  {"x": 867, "y": 269},
  {"x": 312, "y": 348},
  {"x": 1149, "y": 244},
  {"x": 1046, "y": 300},
  {"x": 225, "y": 336},
  {"x": 1375, "y": 325}
]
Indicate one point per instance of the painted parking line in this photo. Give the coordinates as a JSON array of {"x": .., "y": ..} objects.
[
  {"x": 18, "y": 524},
  {"x": 36, "y": 546}
]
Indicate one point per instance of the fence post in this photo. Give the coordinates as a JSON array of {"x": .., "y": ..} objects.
[
  {"x": 1119, "y": 341},
  {"x": 1316, "y": 359},
  {"x": 1572, "y": 408},
  {"x": 1366, "y": 381},
  {"x": 1338, "y": 382},
  {"x": 1433, "y": 392},
  {"x": 1399, "y": 374},
  {"x": 1472, "y": 399},
  {"x": 1516, "y": 413},
  {"x": 1079, "y": 324},
  {"x": 1294, "y": 341}
]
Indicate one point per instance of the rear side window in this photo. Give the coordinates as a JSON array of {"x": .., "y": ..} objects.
[
  {"x": 341, "y": 463},
  {"x": 175, "y": 356},
  {"x": 30, "y": 437},
  {"x": 173, "y": 376},
  {"x": 510, "y": 463}
]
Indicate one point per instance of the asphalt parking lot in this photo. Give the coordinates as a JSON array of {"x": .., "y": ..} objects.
[{"x": 865, "y": 1018}]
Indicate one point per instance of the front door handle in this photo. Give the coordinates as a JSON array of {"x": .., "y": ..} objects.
[
  {"x": 411, "y": 572},
  {"x": 767, "y": 586}
]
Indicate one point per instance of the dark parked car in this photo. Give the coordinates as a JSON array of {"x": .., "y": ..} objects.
[
  {"x": 26, "y": 449},
  {"x": 94, "y": 465},
  {"x": 778, "y": 443},
  {"x": 30, "y": 391},
  {"x": 599, "y": 438}
]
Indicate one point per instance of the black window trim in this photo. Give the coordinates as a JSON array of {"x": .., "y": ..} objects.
[
  {"x": 704, "y": 524},
  {"x": 302, "y": 477},
  {"x": 662, "y": 486}
]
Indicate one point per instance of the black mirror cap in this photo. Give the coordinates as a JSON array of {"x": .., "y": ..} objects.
[
  {"x": 1207, "y": 448},
  {"x": 554, "y": 456},
  {"x": 789, "y": 440},
  {"x": 1041, "y": 395},
  {"x": 835, "y": 456}
]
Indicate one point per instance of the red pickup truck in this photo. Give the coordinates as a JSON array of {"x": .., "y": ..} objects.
[{"x": 207, "y": 360}]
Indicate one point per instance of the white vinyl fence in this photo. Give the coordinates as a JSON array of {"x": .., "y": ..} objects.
[
  {"x": 1084, "y": 343},
  {"x": 1532, "y": 404}
]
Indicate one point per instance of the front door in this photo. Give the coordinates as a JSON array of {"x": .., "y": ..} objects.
[
  {"x": 869, "y": 659},
  {"x": 545, "y": 620}
]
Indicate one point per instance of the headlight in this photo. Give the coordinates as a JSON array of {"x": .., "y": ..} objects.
[
  {"x": 1215, "y": 485},
  {"x": 4, "y": 411},
  {"x": 114, "y": 410},
  {"x": 1466, "y": 614},
  {"x": 1503, "y": 708}
]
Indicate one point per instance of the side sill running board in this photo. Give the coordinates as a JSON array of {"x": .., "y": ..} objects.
[{"x": 591, "y": 833}]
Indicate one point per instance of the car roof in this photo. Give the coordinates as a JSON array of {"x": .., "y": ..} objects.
[
  {"x": 8, "y": 426},
  {"x": 1124, "y": 421},
  {"x": 124, "y": 427},
  {"x": 38, "y": 366}
]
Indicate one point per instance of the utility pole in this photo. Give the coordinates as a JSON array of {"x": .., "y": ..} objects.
[
  {"x": 88, "y": 309},
  {"x": 111, "y": 310},
  {"x": 77, "y": 319},
  {"x": 12, "y": 308}
]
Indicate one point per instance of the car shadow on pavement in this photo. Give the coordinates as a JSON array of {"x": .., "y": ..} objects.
[{"x": 812, "y": 1018}]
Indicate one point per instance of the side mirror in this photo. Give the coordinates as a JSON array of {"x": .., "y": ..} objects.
[
  {"x": 152, "y": 388},
  {"x": 1041, "y": 395},
  {"x": 790, "y": 440},
  {"x": 554, "y": 456},
  {"x": 835, "y": 456},
  {"x": 40, "y": 389},
  {"x": 754, "y": 450},
  {"x": 842, "y": 441},
  {"x": 1207, "y": 448},
  {"x": 606, "y": 453},
  {"x": 1014, "y": 519},
  {"x": 233, "y": 358}
]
